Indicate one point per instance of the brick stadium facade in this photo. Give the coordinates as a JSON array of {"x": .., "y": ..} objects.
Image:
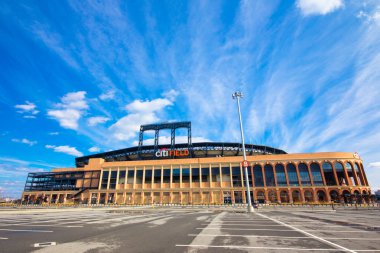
[
  {"x": 201, "y": 173},
  {"x": 284, "y": 178}
]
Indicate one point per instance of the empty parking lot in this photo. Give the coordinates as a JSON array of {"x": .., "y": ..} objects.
[{"x": 189, "y": 230}]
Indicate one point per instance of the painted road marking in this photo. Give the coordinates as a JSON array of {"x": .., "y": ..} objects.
[
  {"x": 40, "y": 225},
  {"x": 308, "y": 234},
  {"x": 26, "y": 230},
  {"x": 251, "y": 247},
  {"x": 3, "y": 238},
  {"x": 313, "y": 230},
  {"x": 44, "y": 244},
  {"x": 288, "y": 237},
  {"x": 253, "y": 236}
]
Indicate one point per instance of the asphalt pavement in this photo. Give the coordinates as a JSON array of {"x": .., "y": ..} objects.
[{"x": 190, "y": 230}]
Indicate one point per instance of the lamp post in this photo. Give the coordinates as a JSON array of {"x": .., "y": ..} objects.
[{"x": 237, "y": 95}]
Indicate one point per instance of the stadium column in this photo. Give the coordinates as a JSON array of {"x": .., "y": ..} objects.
[
  {"x": 364, "y": 175},
  {"x": 276, "y": 183},
  {"x": 264, "y": 182},
  {"x": 314, "y": 191}
]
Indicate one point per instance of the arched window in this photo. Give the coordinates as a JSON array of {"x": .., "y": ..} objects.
[
  {"x": 359, "y": 174},
  {"x": 292, "y": 174},
  {"x": 284, "y": 196},
  {"x": 269, "y": 175},
  {"x": 340, "y": 173},
  {"x": 304, "y": 174},
  {"x": 308, "y": 196},
  {"x": 296, "y": 196},
  {"x": 280, "y": 173},
  {"x": 350, "y": 172},
  {"x": 258, "y": 174},
  {"x": 321, "y": 196},
  {"x": 329, "y": 174},
  {"x": 272, "y": 196},
  {"x": 260, "y": 197},
  {"x": 316, "y": 173}
]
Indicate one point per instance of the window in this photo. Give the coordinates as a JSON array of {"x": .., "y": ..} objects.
[
  {"x": 215, "y": 174},
  {"x": 249, "y": 175},
  {"x": 157, "y": 176},
  {"x": 104, "y": 179},
  {"x": 280, "y": 173},
  {"x": 316, "y": 173},
  {"x": 350, "y": 172},
  {"x": 269, "y": 175},
  {"x": 148, "y": 176},
  {"x": 329, "y": 174},
  {"x": 304, "y": 174},
  {"x": 205, "y": 175},
  {"x": 340, "y": 173},
  {"x": 236, "y": 177},
  {"x": 130, "y": 176},
  {"x": 139, "y": 176},
  {"x": 292, "y": 174},
  {"x": 113, "y": 179},
  {"x": 195, "y": 175},
  {"x": 176, "y": 175},
  {"x": 185, "y": 175},
  {"x": 166, "y": 176},
  {"x": 359, "y": 174},
  {"x": 258, "y": 175},
  {"x": 122, "y": 177}
]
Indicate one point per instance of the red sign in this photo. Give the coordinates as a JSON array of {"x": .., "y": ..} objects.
[{"x": 245, "y": 163}]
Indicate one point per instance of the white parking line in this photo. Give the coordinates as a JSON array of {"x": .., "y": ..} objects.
[
  {"x": 251, "y": 247},
  {"x": 310, "y": 230},
  {"x": 308, "y": 234},
  {"x": 252, "y": 225},
  {"x": 26, "y": 230},
  {"x": 3, "y": 238},
  {"x": 252, "y": 236}
]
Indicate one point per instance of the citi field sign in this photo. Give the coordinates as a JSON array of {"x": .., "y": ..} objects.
[{"x": 164, "y": 152}]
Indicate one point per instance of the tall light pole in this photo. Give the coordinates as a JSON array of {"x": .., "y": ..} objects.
[{"x": 239, "y": 95}]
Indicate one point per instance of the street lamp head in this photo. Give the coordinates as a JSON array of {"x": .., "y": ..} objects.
[{"x": 237, "y": 94}]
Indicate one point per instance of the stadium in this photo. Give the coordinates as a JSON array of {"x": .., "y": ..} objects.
[{"x": 201, "y": 174}]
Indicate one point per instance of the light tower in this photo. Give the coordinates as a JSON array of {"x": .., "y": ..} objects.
[{"x": 237, "y": 95}]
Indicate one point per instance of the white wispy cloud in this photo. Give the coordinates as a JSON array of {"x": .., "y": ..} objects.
[
  {"x": 319, "y": 7},
  {"x": 109, "y": 95},
  {"x": 72, "y": 107},
  {"x": 25, "y": 141},
  {"x": 92, "y": 121},
  {"x": 65, "y": 149},
  {"x": 28, "y": 109},
  {"x": 53, "y": 133},
  {"x": 94, "y": 149},
  {"x": 139, "y": 113}
]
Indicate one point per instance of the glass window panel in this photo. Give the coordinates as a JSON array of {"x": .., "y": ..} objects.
[
  {"x": 329, "y": 174},
  {"x": 166, "y": 176},
  {"x": 269, "y": 175},
  {"x": 176, "y": 175},
  {"x": 258, "y": 175},
  {"x": 215, "y": 174},
  {"x": 157, "y": 176},
  {"x": 205, "y": 175},
  {"x": 185, "y": 175},
  {"x": 195, "y": 175},
  {"x": 131, "y": 175},
  {"x": 304, "y": 174},
  {"x": 236, "y": 177},
  {"x": 148, "y": 176},
  {"x": 139, "y": 176},
  {"x": 122, "y": 177},
  {"x": 280, "y": 173},
  {"x": 316, "y": 173},
  {"x": 292, "y": 174},
  {"x": 104, "y": 179}
]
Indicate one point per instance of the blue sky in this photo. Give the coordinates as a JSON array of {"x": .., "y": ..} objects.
[{"x": 80, "y": 77}]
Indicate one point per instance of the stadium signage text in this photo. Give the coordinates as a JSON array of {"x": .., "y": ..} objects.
[{"x": 164, "y": 152}]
